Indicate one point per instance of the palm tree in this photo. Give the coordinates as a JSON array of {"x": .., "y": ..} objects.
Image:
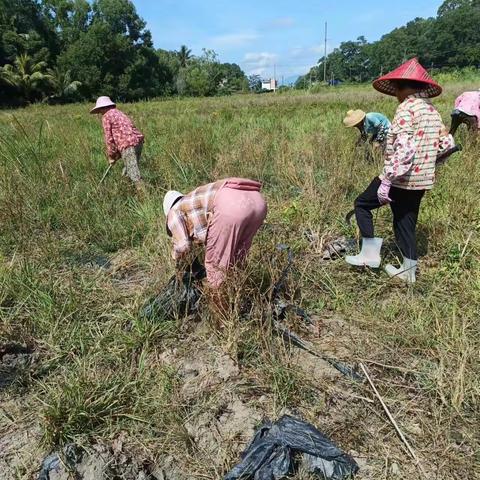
[
  {"x": 26, "y": 75},
  {"x": 63, "y": 85},
  {"x": 184, "y": 55}
]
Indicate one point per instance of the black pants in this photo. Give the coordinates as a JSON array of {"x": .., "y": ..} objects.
[{"x": 405, "y": 206}]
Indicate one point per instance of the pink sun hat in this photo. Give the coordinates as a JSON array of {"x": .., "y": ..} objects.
[{"x": 102, "y": 102}]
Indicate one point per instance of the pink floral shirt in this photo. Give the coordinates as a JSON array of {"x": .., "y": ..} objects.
[
  {"x": 119, "y": 132},
  {"x": 416, "y": 138},
  {"x": 469, "y": 103}
]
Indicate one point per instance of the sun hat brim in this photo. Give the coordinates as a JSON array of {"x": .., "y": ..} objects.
[
  {"x": 102, "y": 102},
  {"x": 386, "y": 86},
  {"x": 96, "y": 109},
  {"x": 354, "y": 117},
  {"x": 410, "y": 70}
]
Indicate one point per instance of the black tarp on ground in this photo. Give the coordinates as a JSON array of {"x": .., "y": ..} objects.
[{"x": 274, "y": 452}]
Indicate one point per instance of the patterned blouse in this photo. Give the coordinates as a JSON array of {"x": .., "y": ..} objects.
[
  {"x": 413, "y": 143},
  {"x": 119, "y": 132},
  {"x": 188, "y": 218}
]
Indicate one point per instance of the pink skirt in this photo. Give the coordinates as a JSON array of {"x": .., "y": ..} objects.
[{"x": 239, "y": 210}]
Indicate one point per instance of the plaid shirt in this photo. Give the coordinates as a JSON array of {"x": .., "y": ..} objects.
[
  {"x": 119, "y": 132},
  {"x": 413, "y": 143},
  {"x": 188, "y": 218}
]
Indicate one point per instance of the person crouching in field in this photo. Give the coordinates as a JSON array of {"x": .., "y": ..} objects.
[
  {"x": 374, "y": 124},
  {"x": 413, "y": 143},
  {"x": 122, "y": 139},
  {"x": 467, "y": 111},
  {"x": 224, "y": 216}
]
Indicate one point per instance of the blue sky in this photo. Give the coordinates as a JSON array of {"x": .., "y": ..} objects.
[{"x": 260, "y": 34}]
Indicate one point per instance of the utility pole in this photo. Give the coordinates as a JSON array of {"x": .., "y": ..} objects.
[
  {"x": 325, "y": 57},
  {"x": 274, "y": 78}
]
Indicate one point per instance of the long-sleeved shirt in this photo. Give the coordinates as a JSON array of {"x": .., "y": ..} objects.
[
  {"x": 469, "y": 103},
  {"x": 188, "y": 219},
  {"x": 416, "y": 137},
  {"x": 377, "y": 125},
  {"x": 119, "y": 132}
]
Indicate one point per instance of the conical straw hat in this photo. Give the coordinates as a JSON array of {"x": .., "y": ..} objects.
[
  {"x": 411, "y": 70},
  {"x": 354, "y": 117}
]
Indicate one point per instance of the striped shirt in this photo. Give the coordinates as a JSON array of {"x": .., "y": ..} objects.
[
  {"x": 188, "y": 218},
  {"x": 413, "y": 143}
]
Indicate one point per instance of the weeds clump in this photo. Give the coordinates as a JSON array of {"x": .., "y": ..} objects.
[{"x": 77, "y": 261}]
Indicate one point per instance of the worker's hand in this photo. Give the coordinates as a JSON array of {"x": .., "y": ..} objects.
[
  {"x": 376, "y": 145},
  {"x": 383, "y": 192},
  {"x": 444, "y": 132},
  {"x": 112, "y": 161}
]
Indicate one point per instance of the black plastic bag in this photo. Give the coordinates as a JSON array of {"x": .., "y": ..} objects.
[
  {"x": 179, "y": 298},
  {"x": 274, "y": 451}
]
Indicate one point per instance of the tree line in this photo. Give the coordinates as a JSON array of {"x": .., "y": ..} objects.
[
  {"x": 451, "y": 40},
  {"x": 70, "y": 50}
]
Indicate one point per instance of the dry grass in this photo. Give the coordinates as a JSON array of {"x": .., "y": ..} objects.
[{"x": 102, "y": 370}]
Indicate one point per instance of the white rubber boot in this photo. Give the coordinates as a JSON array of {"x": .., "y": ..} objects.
[
  {"x": 369, "y": 256},
  {"x": 407, "y": 272}
]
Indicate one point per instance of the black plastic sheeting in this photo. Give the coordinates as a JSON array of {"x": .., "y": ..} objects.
[
  {"x": 179, "y": 298},
  {"x": 71, "y": 455},
  {"x": 278, "y": 449}
]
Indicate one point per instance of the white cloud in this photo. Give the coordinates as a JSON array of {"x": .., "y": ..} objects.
[
  {"x": 284, "y": 22},
  {"x": 234, "y": 39},
  {"x": 260, "y": 63}
]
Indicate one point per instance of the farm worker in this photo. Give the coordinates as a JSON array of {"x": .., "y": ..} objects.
[
  {"x": 122, "y": 139},
  {"x": 467, "y": 110},
  {"x": 416, "y": 137},
  {"x": 375, "y": 124},
  {"x": 224, "y": 216}
]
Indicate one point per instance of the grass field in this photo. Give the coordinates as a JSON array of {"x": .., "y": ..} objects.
[{"x": 77, "y": 261}]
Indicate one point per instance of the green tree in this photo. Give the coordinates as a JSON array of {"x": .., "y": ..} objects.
[
  {"x": 184, "y": 56},
  {"x": 64, "y": 88},
  {"x": 69, "y": 18},
  {"x": 232, "y": 79},
  {"x": 25, "y": 30},
  {"x": 27, "y": 77},
  {"x": 115, "y": 55},
  {"x": 255, "y": 83},
  {"x": 451, "y": 40}
]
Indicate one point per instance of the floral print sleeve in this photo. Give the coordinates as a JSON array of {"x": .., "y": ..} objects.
[
  {"x": 112, "y": 150},
  {"x": 402, "y": 159}
]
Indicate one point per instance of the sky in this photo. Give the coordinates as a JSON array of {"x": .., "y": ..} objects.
[{"x": 263, "y": 36}]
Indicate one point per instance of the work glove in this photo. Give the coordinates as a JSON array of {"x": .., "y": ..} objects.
[{"x": 384, "y": 191}]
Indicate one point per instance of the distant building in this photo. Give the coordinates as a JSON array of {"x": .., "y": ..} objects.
[{"x": 270, "y": 84}]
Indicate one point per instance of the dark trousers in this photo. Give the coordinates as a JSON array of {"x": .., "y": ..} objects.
[{"x": 405, "y": 206}]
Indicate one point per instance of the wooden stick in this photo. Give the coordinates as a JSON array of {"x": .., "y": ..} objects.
[
  {"x": 107, "y": 171},
  {"x": 394, "y": 423}
]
